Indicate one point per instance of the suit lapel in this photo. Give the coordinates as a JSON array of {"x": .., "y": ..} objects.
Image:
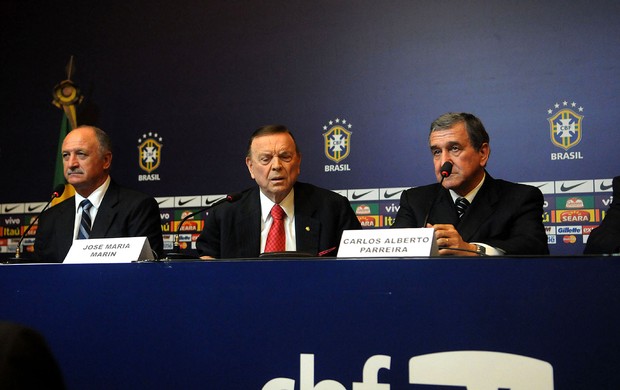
[
  {"x": 307, "y": 228},
  {"x": 483, "y": 206},
  {"x": 66, "y": 225},
  {"x": 106, "y": 213},
  {"x": 444, "y": 210},
  {"x": 248, "y": 230}
]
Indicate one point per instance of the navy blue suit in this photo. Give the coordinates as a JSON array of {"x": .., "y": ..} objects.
[{"x": 232, "y": 230}]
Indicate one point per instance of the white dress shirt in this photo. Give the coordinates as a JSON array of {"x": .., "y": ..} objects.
[
  {"x": 288, "y": 205},
  {"x": 95, "y": 198}
]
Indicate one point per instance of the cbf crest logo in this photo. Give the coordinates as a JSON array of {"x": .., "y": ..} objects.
[
  {"x": 149, "y": 149},
  {"x": 337, "y": 141},
  {"x": 566, "y": 129}
]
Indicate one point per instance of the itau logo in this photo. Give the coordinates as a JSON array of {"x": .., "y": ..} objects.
[
  {"x": 337, "y": 143},
  {"x": 566, "y": 129},
  {"x": 149, "y": 150}
]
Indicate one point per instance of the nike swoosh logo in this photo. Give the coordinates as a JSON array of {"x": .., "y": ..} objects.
[
  {"x": 605, "y": 187},
  {"x": 564, "y": 188},
  {"x": 30, "y": 208},
  {"x": 388, "y": 195},
  {"x": 162, "y": 201},
  {"x": 541, "y": 185},
  {"x": 8, "y": 210},
  {"x": 208, "y": 202},
  {"x": 357, "y": 196},
  {"x": 184, "y": 202}
]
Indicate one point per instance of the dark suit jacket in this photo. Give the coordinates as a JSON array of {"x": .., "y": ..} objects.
[
  {"x": 123, "y": 213},
  {"x": 606, "y": 237},
  {"x": 504, "y": 215},
  {"x": 232, "y": 230}
]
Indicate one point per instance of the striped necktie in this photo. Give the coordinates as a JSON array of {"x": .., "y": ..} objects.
[
  {"x": 461, "y": 206},
  {"x": 85, "y": 223}
]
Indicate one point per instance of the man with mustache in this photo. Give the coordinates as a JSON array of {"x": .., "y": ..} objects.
[
  {"x": 281, "y": 214},
  {"x": 496, "y": 217},
  {"x": 111, "y": 210}
]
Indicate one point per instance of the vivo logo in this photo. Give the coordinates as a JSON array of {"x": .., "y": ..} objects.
[
  {"x": 12, "y": 221},
  {"x": 393, "y": 208}
]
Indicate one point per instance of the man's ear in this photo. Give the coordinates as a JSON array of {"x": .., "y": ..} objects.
[
  {"x": 248, "y": 163},
  {"x": 107, "y": 161},
  {"x": 485, "y": 152}
]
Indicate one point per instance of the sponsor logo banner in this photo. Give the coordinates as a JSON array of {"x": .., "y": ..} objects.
[
  {"x": 603, "y": 185},
  {"x": 574, "y": 186},
  {"x": 366, "y": 208},
  {"x": 575, "y": 216},
  {"x": 575, "y": 202},
  {"x": 165, "y": 202},
  {"x": 363, "y": 194},
  {"x": 569, "y": 230},
  {"x": 369, "y": 221},
  {"x": 546, "y": 187}
]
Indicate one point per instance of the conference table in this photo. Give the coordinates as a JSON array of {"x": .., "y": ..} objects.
[{"x": 308, "y": 323}]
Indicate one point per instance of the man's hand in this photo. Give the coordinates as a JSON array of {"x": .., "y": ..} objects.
[{"x": 447, "y": 237}]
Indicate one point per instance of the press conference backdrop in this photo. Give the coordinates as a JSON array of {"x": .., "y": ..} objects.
[{"x": 180, "y": 87}]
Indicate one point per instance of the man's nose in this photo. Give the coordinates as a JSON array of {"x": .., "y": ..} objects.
[
  {"x": 444, "y": 158},
  {"x": 72, "y": 161},
  {"x": 276, "y": 163}
]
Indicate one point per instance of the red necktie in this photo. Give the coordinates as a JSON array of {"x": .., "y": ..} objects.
[{"x": 276, "y": 239}]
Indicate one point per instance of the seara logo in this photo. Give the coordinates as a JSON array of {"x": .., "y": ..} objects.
[
  {"x": 149, "y": 150},
  {"x": 337, "y": 140},
  {"x": 566, "y": 129}
]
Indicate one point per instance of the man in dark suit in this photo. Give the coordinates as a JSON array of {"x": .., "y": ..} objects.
[
  {"x": 606, "y": 238},
  {"x": 496, "y": 217},
  {"x": 311, "y": 219},
  {"x": 112, "y": 210}
]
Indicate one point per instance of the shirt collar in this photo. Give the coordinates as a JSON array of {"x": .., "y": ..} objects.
[
  {"x": 288, "y": 204},
  {"x": 96, "y": 197},
  {"x": 472, "y": 194}
]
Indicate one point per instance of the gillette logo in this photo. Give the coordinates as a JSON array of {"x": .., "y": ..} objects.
[{"x": 569, "y": 229}]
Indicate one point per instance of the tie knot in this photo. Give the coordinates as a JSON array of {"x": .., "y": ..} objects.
[
  {"x": 85, "y": 204},
  {"x": 461, "y": 205},
  {"x": 277, "y": 212}
]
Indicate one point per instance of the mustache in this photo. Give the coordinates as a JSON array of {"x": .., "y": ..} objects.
[{"x": 74, "y": 170}]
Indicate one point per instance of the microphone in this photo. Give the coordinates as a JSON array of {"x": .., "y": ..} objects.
[
  {"x": 56, "y": 194},
  {"x": 445, "y": 171},
  {"x": 175, "y": 254}
]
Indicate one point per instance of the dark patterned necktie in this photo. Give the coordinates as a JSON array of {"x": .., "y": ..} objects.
[
  {"x": 85, "y": 223},
  {"x": 276, "y": 239},
  {"x": 461, "y": 206}
]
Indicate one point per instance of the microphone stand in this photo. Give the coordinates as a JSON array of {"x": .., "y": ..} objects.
[
  {"x": 445, "y": 170},
  {"x": 18, "y": 252}
]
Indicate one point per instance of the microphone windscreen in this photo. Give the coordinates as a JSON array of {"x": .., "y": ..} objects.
[
  {"x": 233, "y": 197},
  {"x": 60, "y": 188},
  {"x": 446, "y": 169}
]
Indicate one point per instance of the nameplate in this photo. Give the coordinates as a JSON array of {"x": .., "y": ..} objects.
[
  {"x": 109, "y": 250},
  {"x": 411, "y": 242}
]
